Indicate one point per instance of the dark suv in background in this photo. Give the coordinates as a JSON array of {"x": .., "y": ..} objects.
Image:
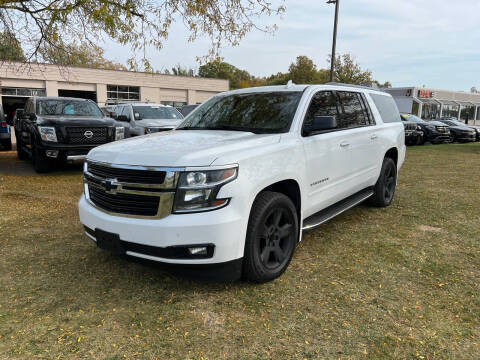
[
  {"x": 433, "y": 131},
  {"x": 459, "y": 131},
  {"x": 55, "y": 129}
]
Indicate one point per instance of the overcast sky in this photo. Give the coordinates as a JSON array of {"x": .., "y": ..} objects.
[{"x": 435, "y": 43}]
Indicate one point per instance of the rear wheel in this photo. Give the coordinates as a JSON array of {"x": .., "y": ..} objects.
[
  {"x": 271, "y": 237},
  {"x": 7, "y": 144},
  {"x": 384, "y": 189}
]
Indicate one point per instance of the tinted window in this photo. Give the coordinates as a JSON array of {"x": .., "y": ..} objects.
[
  {"x": 157, "y": 112},
  {"x": 271, "y": 112},
  {"x": 386, "y": 107},
  {"x": 60, "y": 107},
  {"x": 323, "y": 104},
  {"x": 352, "y": 112}
]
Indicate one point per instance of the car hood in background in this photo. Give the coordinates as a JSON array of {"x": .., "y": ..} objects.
[
  {"x": 158, "y": 122},
  {"x": 74, "y": 121},
  {"x": 179, "y": 148},
  {"x": 435, "y": 123}
]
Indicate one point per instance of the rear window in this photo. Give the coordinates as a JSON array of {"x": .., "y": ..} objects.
[{"x": 387, "y": 108}]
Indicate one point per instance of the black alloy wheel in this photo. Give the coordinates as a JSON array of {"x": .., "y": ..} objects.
[
  {"x": 384, "y": 189},
  {"x": 271, "y": 237}
]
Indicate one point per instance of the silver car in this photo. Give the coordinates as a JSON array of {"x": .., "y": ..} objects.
[{"x": 147, "y": 118}]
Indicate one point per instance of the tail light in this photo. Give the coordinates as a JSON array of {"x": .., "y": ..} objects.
[{"x": 4, "y": 124}]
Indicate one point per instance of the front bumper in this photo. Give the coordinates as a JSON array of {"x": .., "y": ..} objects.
[
  {"x": 224, "y": 229},
  {"x": 438, "y": 137},
  {"x": 466, "y": 137}
]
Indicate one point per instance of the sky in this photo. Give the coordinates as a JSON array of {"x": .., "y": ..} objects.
[{"x": 432, "y": 43}]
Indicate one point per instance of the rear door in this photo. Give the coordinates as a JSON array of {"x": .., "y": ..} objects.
[
  {"x": 327, "y": 155},
  {"x": 363, "y": 139}
]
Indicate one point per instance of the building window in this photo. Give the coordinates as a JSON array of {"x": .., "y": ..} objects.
[
  {"x": 450, "y": 111},
  {"x": 467, "y": 112},
  {"x": 430, "y": 111},
  {"x": 119, "y": 93},
  {"x": 22, "y": 92}
]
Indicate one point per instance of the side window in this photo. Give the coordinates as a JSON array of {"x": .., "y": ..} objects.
[
  {"x": 367, "y": 110},
  {"x": 118, "y": 110},
  {"x": 323, "y": 104},
  {"x": 353, "y": 113},
  {"x": 126, "y": 111},
  {"x": 387, "y": 108}
]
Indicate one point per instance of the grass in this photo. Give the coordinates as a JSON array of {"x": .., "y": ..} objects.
[{"x": 401, "y": 282}]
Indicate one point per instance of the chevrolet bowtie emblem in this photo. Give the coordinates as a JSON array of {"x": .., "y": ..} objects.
[{"x": 111, "y": 186}]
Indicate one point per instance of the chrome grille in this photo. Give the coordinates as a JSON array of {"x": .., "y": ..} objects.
[
  {"x": 133, "y": 191},
  {"x": 442, "y": 129},
  {"x": 87, "y": 135}
]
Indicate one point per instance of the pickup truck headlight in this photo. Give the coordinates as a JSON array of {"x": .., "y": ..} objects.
[
  {"x": 149, "y": 130},
  {"x": 47, "y": 133},
  {"x": 198, "y": 190},
  {"x": 119, "y": 133}
]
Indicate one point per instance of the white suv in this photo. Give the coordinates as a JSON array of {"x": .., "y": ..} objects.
[{"x": 231, "y": 189}]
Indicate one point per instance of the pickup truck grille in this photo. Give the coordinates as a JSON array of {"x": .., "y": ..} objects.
[
  {"x": 87, "y": 135},
  {"x": 130, "y": 190},
  {"x": 124, "y": 203}
]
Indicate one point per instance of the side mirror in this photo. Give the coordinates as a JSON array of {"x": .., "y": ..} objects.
[
  {"x": 122, "y": 118},
  {"x": 320, "y": 123},
  {"x": 137, "y": 116}
]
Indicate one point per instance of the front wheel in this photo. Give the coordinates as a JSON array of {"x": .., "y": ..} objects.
[
  {"x": 384, "y": 189},
  {"x": 7, "y": 144},
  {"x": 272, "y": 235}
]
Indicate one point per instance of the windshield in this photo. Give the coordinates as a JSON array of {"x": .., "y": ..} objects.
[
  {"x": 156, "y": 112},
  {"x": 413, "y": 118},
  {"x": 457, "y": 123},
  {"x": 450, "y": 123},
  {"x": 69, "y": 107},
  {"x": 271, "y": 112}
]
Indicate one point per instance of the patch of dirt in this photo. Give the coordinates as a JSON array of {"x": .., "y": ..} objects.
[
  {"x": 430, "y": 229},
  {"x": 211, "y": 319}
]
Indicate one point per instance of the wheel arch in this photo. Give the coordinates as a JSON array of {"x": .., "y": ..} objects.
[
  {"x": 289, "y": 188},
  {"x": 392, "y": 153}
]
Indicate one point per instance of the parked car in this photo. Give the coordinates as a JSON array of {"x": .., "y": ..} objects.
[
  {"x": 413, "y": 132},
  {"x": 459, "y": 131},
  {"x": 187, "y": 109},
  {"x": 109, "y": 111},
  {"x": 5, "y": 136},
  {"x": 147, "y": 118},
  {"x": 434, "y": 132},
  {"x": 463, "y": 126},
  {"x": 232, "y": 187},
  {"x": 56, "y": 129}
]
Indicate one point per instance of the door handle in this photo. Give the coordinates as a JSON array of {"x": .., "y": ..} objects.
[
  {"x": 374, "y": 136},
  {"x": 344, "y": 144}
]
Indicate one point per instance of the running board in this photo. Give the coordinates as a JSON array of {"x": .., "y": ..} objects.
[{"x": 330, "y": 212}]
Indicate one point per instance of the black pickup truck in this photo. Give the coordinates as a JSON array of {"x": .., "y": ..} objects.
[{"x": 56, "y": 129}]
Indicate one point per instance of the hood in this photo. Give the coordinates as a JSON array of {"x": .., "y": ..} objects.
[
  {"x": 435, "y": 123},
  {"x": 179, "y": 148},
  {"x": 74, "y": 121},
  {"x": 158, "y": 122}
]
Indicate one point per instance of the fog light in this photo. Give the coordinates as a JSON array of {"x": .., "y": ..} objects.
[
  {"x": 52, "y": 153},
  {"x": 198, "y": 250}
]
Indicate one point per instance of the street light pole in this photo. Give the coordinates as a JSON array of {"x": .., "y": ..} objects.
[{"x": 334, "y": 45}]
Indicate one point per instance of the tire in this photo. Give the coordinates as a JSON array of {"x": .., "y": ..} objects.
[
  {"x": 420, "y": 140},
  {"x": 40, "y": 162},
  {"x": 21, "y": 154},
  {"x": 384, "y": 189},
  {"x": 7, "y": 144},
  {"x": 272, "y": 236}
]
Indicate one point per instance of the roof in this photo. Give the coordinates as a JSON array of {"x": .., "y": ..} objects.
[{"x": 59, "y": 98}]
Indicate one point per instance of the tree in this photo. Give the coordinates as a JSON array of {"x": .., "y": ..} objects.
[
  {"x": 10, "y": 49},
  {"x": 302, "y": 71},
  {"x": 83, "y": 55},
  {"x": 141, "y": 24},
  {"x": 222, "y": 70},
  {"x": 179, "y": 70},
  {"x": 349, "y": 72}
]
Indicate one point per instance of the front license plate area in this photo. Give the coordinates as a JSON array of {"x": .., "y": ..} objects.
[{"x": 109, "y": 241}]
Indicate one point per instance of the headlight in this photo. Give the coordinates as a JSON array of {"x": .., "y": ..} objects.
[
  {"x": 198, "y": 190},
  {"x": 419, "y": 127},
  {"x": 119, "y": 133},
  {"x": 430, "y": 127},
  {"x": 48, "y": 133}
]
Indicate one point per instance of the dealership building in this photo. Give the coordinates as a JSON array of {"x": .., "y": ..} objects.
[
  {"x": 19, "y": 81},
  {"x": 431, "y": 103}
]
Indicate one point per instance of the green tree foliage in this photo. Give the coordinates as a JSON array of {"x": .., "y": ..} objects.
[
  {"x": 141, "y": 24},
  {"x": 222, "y": 70},
  {"x": 10, "y": 49},
  {"x": 349, "y": 72},
  {"x": 83, "y": 55},
  {"x": 179, "y": 70}
]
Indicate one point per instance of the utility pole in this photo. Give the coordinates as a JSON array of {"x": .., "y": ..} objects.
[{"x": 334, "y": 45}]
